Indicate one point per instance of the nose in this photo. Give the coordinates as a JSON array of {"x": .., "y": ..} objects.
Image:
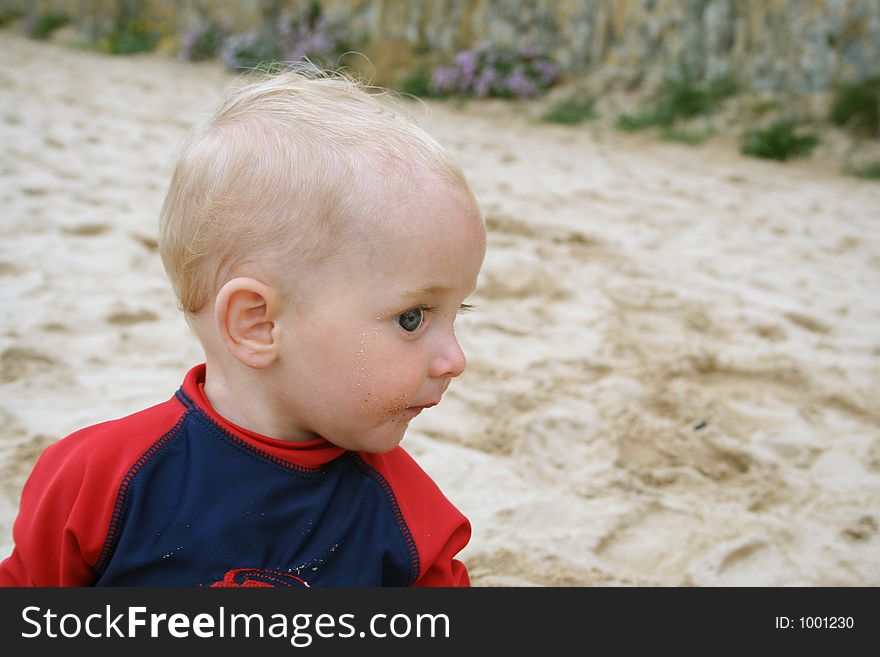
[{"x": 449, "y": 361}]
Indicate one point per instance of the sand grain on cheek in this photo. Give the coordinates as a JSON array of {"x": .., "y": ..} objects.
[
  {"x": 372, "y": 402},
  {"x": 361, "y": 379},
  {"x": 391, "y": 411}
]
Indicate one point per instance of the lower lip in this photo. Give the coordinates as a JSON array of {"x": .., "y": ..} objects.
[{"x": 414, "y": 410}]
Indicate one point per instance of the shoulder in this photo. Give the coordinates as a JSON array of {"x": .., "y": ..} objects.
[
  {"x": 68, "y": 500},
  {"x": 403, "y": 474},
  {"x": 121, "y": 441},
  {"x": 425, "y": 508},
  {"x": 438, "y": 529}
]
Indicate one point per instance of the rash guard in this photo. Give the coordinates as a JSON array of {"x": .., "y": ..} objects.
[{"x": 175, "y": 495}]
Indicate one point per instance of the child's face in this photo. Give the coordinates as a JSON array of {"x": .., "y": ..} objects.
[{"x": 375, "y": 344}]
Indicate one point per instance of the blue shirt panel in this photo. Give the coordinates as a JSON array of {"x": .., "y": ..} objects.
[{"x": 204, "y": 503}]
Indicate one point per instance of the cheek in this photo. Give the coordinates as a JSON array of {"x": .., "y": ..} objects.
[
  {"x": 382, "y": 379},
  {"x": 362, "y": 362}
]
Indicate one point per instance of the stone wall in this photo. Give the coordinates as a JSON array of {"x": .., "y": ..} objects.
[{"x": 796, "y": 45}]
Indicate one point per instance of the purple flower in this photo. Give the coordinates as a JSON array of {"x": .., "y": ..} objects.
[
  {"x": 187, "y": 41},
  {"x": 321, "y": 43},
  {"x": 246, "y": 51},
  {"x": 548, "y": 72},
  {"x": 302, "y": 35},
  {"x": 444, "y": 79},
  {"x": 202, "y": 41},
  {"x": 467, "y": 61},
  {"x": 520, "y": 85},
  {"x": 483, "y": 85},
  {"x": 488, "y": 70},
  {"x": 235, "y": 45}
]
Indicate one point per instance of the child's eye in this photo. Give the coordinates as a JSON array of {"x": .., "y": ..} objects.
[{"x": 411, "y": 319}]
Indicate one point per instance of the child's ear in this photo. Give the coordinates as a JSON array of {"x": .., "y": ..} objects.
[{"x": 246, "y": 314}]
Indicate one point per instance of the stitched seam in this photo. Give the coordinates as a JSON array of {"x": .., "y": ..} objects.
[
  {"x": 184, "y": 399},
  {"x": 244, "y": 446},
  {"x": 255, "y": 454},
  {"x": 395, "y": 509},
  {"x": 122, "y": 496}
]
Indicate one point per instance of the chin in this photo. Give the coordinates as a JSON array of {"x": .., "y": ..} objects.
[
  {"x": 383, "y": 445},
  {"x": 381, "y": 438}
]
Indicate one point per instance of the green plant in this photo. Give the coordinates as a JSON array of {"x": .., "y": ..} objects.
[
  {"x": 203, "y": 40},
  {"x": 635, "y": 122},
  {"x": 857, "y": 106},
  {"x": 762, "y": 106},
  {"x": 683, "y": 99},
  {"x": 679, "y": 98},
  {"x": 868, "y": 170},
  {"x": 418, "y": 83},
  {"x": 41, "y": 26},
  {"x": 132, "y": 37},
  {"x": 690, "y": 137},
  {"x": 571, "y": 111},
  {"x": 250, "y": 50},
  {"x": 9, "y": 15},
  {"x": 779, "y": 141}
]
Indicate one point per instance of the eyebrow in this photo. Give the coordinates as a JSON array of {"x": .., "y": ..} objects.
[{"x": 430, "y": 290}]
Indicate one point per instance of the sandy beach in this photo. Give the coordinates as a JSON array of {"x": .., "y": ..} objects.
[{"x": 674, "y": 363}]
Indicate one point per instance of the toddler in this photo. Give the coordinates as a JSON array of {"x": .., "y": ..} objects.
[{"x": 320, "y": 245}]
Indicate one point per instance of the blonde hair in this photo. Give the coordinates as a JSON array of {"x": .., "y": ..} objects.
[{"x": 286, "y": 169}]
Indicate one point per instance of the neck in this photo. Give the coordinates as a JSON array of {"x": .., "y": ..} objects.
[{"x": 244, "y": 400}]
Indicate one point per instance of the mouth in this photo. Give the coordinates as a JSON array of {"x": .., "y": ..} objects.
[{"x": 415, "y": 410}]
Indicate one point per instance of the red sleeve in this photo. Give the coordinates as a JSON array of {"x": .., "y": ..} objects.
[
  {"x": 50, "y": 548},
  {"x": 69, "y": 498},
  {"x": 439, "y": 530}
]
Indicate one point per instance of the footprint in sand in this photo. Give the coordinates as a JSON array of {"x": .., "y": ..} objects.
[
  {"x": 805, "y": 321},
  {"x": 627, "y": 545},
  {"x": 862, "y": 529},
  {"x": 521, "y": 283},
  {"x": 510, "y": 226},
  {"x": 847, "y": 243},
  {"x": 128, "y": 318},
  {"x": 20, "y": 362},
  {"x": 737, "y": 560},
  {"x": 54, "y": 143},
  {"x": 55, "y": 327},
  {"x": 95, "y": 201},
  {"x": 146, "y": 241},
  {"x": 498, "y": 223},
  {"x": 8, "y": 269},
  {"x": 770, "y": 332},
  {"x": 86, "y": 230},
  {"x": 736, "y": 557}
]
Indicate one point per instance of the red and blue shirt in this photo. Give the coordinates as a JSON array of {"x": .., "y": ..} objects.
[{"x": 176, "y": 495}]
